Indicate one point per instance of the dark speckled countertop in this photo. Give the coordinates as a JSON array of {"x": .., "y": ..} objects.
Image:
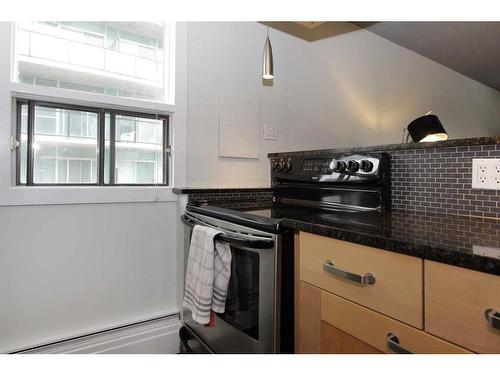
[
  {"x": 463, "y": 241},
  {"x": 468, "y": 242}
]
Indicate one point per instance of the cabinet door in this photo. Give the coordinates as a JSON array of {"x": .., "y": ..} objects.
[
  {"x": 336, "y": 341},
  {"x": 315, "y": 336},
  {"x": 331, "y": 324},
  {"x": 378, "y": 331},
  {"x": 308, "y": 317},
  {"x": 457, "y": 303}
]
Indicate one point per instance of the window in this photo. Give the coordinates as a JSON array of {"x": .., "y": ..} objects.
[
  {"x": 126, "y": 59},
  {"x": 68, "y": 145}
]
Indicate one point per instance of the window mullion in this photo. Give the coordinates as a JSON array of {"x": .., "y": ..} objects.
[
  {"x": 112, "y": 139},
  {"x": 101, "y": 128},
  {"x": 19, "y": 114},
  {"x": 166, "y": 150},
  {"x": 30, "y": 143}
]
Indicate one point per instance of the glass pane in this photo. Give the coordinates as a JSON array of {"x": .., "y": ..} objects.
[
  {"x": 62, "y": 169},
  {"x": 125, "y": 128},
  {"x": 23, "y": 150},
  {"x": 145, "y": 172},
  {"x": 65, "y": 146},
  {"x": 47, "y": 121},
  {"x": 138, "y": 150},
  {"x": 111, "y": 58},
  {"x": 242, "y": 302}
]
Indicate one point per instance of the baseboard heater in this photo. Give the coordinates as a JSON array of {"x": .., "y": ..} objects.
[{"x": 154, "y": 336}]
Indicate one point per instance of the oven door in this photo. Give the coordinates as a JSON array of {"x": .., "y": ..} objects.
[{"x": 249, "y": 323}]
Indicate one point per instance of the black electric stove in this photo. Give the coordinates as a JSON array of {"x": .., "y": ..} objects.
[{"x": 346, "y": 190}]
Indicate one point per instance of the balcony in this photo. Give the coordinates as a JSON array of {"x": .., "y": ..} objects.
[{"x": 59, "y": 55}]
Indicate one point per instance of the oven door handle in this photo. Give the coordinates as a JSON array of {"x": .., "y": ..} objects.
[{"x": 239, "y": 240}]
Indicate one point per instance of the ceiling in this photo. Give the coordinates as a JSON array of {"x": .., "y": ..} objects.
[
  {"x": 312, "y": 31},
  {"x": 470, "y": 48}
]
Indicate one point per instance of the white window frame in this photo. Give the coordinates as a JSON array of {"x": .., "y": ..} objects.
[{"x": 174, "y": 106}]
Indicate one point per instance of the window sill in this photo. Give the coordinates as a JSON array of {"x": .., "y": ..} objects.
[{"x": 48, "y": 195}]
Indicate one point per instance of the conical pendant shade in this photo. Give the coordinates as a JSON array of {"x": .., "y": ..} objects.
[{"x": 267, "y": 60}]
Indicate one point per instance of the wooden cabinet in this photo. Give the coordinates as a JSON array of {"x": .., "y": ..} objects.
[
  {"x": 335, "y": 341},
  {"x": 331, "y": 324},
  {"x": 317, "y": 336},
  {"x": 397, "y": 288},
  {"x": 379, "y": 331},
  {"x": 337, "y": 314},
  {"x": 308, "y": 319},
  {"x": 456, "y": 301}
]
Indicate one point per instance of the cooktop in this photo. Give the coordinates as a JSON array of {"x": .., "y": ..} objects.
[{"x": 267, "y": 216}]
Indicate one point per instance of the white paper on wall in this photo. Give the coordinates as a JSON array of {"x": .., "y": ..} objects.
[{"x": 239, "y": 135}]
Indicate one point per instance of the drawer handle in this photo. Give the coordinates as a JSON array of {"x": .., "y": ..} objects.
[
  {"x": 367, "y": 278},
  {"x": 493, "y": 318},
  {"x": 393, "y": 344}
]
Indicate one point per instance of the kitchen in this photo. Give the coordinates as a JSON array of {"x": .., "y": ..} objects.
[{"x": 352, "y": 219}]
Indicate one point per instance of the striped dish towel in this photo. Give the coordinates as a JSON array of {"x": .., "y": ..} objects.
[{"x": 207, "y": 274}]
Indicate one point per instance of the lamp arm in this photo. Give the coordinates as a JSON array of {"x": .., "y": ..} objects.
[{"x": 406, "y": 135}]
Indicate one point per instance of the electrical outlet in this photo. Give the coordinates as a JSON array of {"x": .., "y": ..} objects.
[
  {"x": 486, "y": 174},
  {"x": 482, "y": 174}
]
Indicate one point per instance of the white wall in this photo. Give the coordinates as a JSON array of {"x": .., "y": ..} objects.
[
  {"x": 67, "y": 270},
  {"x": 74, "y": 260},
  {"x": 348, "y": 90}
]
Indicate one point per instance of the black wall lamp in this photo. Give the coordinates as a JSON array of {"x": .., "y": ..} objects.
[{"x": 426, "y": 128}]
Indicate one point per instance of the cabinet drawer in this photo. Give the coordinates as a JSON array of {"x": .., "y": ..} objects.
[
  {"x": 397, "y": 288},
  {"x": 374, "y": 329},
  {"x": 456, "y": 300}
]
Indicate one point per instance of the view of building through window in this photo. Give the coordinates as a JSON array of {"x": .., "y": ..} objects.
[
  {"x": 124, "y": 59},
  {"x": 66, "y": 147}
]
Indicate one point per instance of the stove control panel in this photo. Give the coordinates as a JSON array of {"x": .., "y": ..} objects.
[
  {"x": 281, "y": 165},
  {"x": 331, "y": 167}
]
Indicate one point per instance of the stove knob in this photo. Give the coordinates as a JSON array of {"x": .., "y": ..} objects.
[
  {"x": 286, "y": 166},
  {"x": 274, "y": 165},
  {"x": 340, "y": 166},
  {"x": 352, "y": 166},
  {"x": 278, "y": 166},
  {"x": 366, "y": 165}
]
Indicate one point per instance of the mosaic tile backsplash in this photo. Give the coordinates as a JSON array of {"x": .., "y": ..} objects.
[
  {"x": 429, "y": 179},
  {"x": 214, "y": 195},
  {"x": 439, "y": 180}
]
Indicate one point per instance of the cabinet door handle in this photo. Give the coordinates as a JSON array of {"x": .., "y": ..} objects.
[
  {"x": 367, "y": 278},
  {"x": 393, "y": 344},
  {"x": 493, "y": 318}
]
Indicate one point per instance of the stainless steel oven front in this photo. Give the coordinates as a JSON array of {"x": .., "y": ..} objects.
[{"x": 250, "y": 323}]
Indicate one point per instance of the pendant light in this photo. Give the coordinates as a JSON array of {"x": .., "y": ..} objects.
[{"x": 267, "y": 59}]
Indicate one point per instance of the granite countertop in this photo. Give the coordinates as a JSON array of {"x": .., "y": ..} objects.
[
  {"x": 463, "y": 241},
  {"x": 195, "y": 190},
  {"x": 397, "y": 146},
  {"x": 468, "y": 242}
]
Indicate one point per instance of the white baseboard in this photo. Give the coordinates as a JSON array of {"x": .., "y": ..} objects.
[{"x": 158, "y": 336}]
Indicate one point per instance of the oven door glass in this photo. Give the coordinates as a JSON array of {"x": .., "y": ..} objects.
[{"x": 242, "y": 302}]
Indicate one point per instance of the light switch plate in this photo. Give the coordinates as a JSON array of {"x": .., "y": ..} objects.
[
  {"x": 271, "y": 131},
  {"x": 486, "y": 174}
]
